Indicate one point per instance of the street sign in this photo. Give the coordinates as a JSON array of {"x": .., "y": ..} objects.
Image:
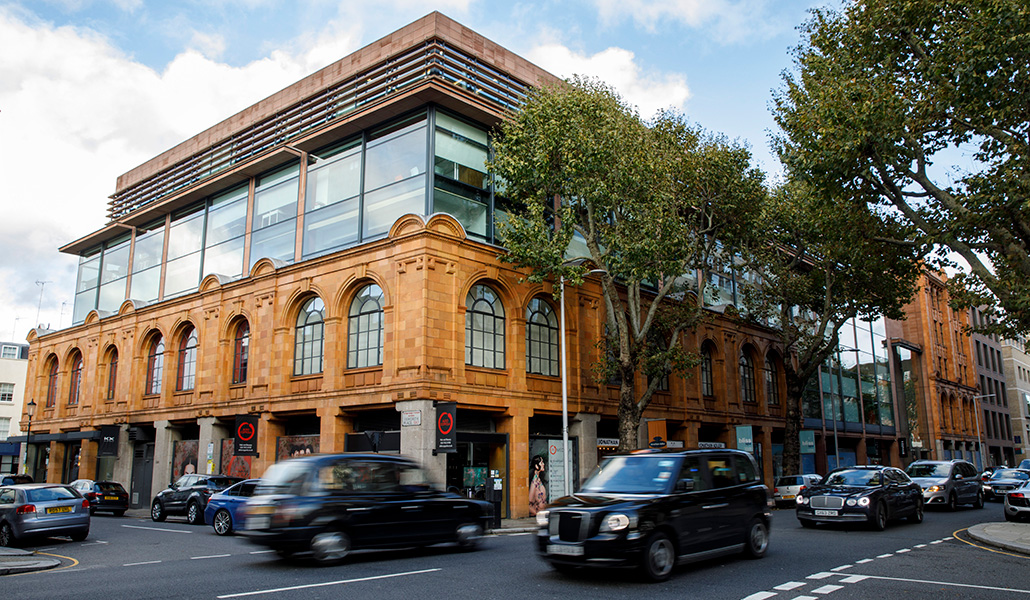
[
  {"x": 446, "y": 427},
  {"x": 245, "y": 439}
]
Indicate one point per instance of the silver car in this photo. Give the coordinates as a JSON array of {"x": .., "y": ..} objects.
[
  {"x": 42, "y": 509},
  {"x": 1017, "y": 503},
  {"x": 947, "y": 483},
  {"x": 788, "y": 487}
]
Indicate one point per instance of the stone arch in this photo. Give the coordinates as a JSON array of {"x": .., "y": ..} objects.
[{"x": 293, "y": 303}]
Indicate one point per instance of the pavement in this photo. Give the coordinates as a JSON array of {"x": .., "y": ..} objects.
[{"x": 1013, "y": 537}]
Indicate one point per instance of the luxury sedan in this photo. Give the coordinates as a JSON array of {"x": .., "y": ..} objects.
[{"x": 872, "y": 494}]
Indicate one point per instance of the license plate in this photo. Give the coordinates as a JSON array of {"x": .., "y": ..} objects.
[
  {"x": 825, "y": 513},
  {"x": 110, "y": 497},
  {"x": 58, "y": 509},
  {"x": 788, "y": 496},
  {"x": 566, "y": 550},
  {"x": 259, "y": 522}
]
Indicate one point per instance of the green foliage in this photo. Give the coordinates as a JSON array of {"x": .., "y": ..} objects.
[
  {"x": 647, "y": 200},
  {"x": 882, "y": 87}
]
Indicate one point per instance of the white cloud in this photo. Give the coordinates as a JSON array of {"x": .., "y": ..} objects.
[
  {"x": 649, "y": 92},
  {"x": 75, "y": 112},
  {"x": 725, "y": 21}
]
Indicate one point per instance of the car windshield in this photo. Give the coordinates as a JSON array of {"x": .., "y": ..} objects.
[
  {"x": 1010, "y": 474},
  {"x": 49, "y": 494},
  {"x": 110, "y": 486},
  {"x": 786, "y": 481},
  {"x": 633, "y": 475},
  {"x": 929, "y": 470},
  {"x": 862, "y": 477},
  {"x": 287, "y": 477}
]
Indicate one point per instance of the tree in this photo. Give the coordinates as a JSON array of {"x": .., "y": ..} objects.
[
  {"x": 883, "y": 90},
  {"x": 822, "y": 261},
  {"x": 646, "y": 200}
]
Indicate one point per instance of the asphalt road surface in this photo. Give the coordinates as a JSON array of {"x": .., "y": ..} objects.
[{"x": 136, "y": 558}]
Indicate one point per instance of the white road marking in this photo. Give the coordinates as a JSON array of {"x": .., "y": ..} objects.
[
  {"x": 790, "y": 585},
  {"x": 947, "y": 538},
  {"x": 826, "y": 589},
  {"x": 853, "y": 579},
  {"x": 964, "y": 585},
  {"x": 156, "y": 529},
  {"x": 325, "y": 584},
  {"x": 920, "y": 545},
  {"x": 760, "y": 596},
  {"x": 822, "y": 575},
  {"x": 841, "y": 568},
  {"x": 864, "y": 561},
  {"x": 936, "y": 541},
  {"x": 903, "y": 550},
  {"x": 804, "y": 598},
  {"x": 516, "y": 534},
  {"x": 146, "y": 562},
  {"x": 211, "y": 556},
  {"x": 262, "y": 551},
  {"x": 885, "y": 556}
]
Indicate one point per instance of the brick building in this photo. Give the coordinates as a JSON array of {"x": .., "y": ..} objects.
[{"x": 326, "y": 262}]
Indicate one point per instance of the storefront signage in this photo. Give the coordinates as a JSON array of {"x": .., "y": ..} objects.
[
  {"x": 745, "y": 438},
  {"x": 607, "y": 442},
  {"x": 411, "y": 418},
  {"x": 674, "y": 444},
  {"x": 657, "y": 442},
  {"x": 446, "y": 427},
  {"x": 108, "y": 440},
  {"x": 710, "y": 445},
  {"x": 245, "y": 439},
  {"x": 807, "y": 442}
]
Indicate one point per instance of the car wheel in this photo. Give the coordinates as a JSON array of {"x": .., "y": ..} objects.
[
  {"x": 878, "y": 520},
  {"x": 952, "y": 502},
  {"x": 757, "y": 539},
  {"x": 917, "y": 516},
  {"x": 468, "y": 536},
  {"x": 157, "y": 511},
  {"x": 193, "y": 514},
  {"x": 222, "y": 522},
  {"x": 659, "y": 557},
  {"x": 979, "y": 502},
  {"x": 330, "y": 546},
  {"x": 1008, "y": 517},
  {"x": 80, "y": 536},
  {"x": 6, "y": 535}
]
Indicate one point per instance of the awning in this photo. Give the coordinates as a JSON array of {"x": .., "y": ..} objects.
[{"x": 64, "y": 436}]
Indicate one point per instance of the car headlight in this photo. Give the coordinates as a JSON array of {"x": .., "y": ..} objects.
[
  {"x": 935, "y": 488},
  {"x": 618, "y": 522},
  {"x": 851, "y": 502},
  {"x": 542, "y": 518},
  {"x": 802, "y": 500},
  {"x": 863, "y": 501},
  {"x": 987, "y": 486}
]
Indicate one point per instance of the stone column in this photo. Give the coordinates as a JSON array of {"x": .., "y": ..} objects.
[
  {"x": 164, "y": 443},
  {"x": 334, "y": 428},
  {"x": 584, "y": 428},
  {"x": 419, "y": 441},
  {"x": 123, "y": 464},
  {"x": 212, "y": 432},
  {"x": 56, "y": 465},
  {"x": 517, "y": 427},
  {"x": 269, "y": 429},
  {"x": 88, "y": 459}
]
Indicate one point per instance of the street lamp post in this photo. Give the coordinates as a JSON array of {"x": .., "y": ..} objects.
[
  {"x": 30, "y": 409},
  {"x": 979, "y": 441}
]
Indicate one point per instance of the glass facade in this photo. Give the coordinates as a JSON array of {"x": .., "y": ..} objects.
[{"x": 355, "y": 190}]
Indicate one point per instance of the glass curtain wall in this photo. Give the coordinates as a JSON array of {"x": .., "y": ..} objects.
[
  {"x": 461, "y": 186},
  {"x": 274, "y": 226},
  {"x": 224, "y": 235},
  {"x": 185, "y": 246},
  {"x": 395, "y": 182},
  {"x": 332, "y": 202},
  {"x": 146, "y": 262}
]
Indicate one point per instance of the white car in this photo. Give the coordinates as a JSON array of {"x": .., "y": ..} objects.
[
  {"x": 1017, "y": 503},
  {"x": 789, "y": 486}
]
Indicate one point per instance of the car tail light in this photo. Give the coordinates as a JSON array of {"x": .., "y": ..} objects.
[
  {"x": 801, "y": 489},
  {"x": 1018, "y": 495},
  {"x": 91, "y": 495},
  {"x": 85, "y": 503},
  {"x": 25, "y": 509},
  {"x": 776, "y": 490}
]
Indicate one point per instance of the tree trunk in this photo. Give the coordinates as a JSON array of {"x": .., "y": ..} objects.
[
  {"x": 629, "y": 416},
  {"x": 792, "y": 426}
]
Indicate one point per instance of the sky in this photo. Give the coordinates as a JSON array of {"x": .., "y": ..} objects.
[{"x": 90, "y": 89}]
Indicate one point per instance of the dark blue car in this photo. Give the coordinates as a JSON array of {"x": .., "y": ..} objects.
[{"x": 222, "y": 508}]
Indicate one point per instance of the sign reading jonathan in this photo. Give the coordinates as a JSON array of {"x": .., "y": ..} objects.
[
  {"x": 245, "y": 441},
  {"x": 446, "y": 427}
]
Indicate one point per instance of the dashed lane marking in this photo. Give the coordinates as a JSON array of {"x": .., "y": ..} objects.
[
  {"x": 325, "y": 584},
  {"x": 841, "y": 568},
  {"x": 822, "y": 575},
  {"x": 790, "y": 585},
  {"x": 826, "y": 589},
  {"x": 888, "y": 555},
  {"x": 156, "y": 529},
  {"x": 903, "y": 550},
  {"x": 210, "y": 556},
  {"x": 864, "y": 561},
  {"x": 853, "y": 579},
  {"x": 262, "y": 551},
  {"x": 146, "y": 562},
  {"x": 760, "y": 596}
]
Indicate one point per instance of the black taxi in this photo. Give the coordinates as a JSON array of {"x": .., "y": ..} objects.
[{"x": 655, "y": 509}]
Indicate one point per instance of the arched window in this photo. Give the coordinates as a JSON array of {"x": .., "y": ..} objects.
[
  {"x": 707, "y": 383},
  {"x": 307, "y": 352},
  {"x": 542, "y": 350},
  {"x": 241, "y": 353},
  {"x": 747, "y": 378},
  {"x": 365, "y": 328},
  {"x": 112, "y": 373},
  {"x": 155, "y": 365},
  {"x": 484, "y": 328},
  {"x": 51, "y": 387},
  {"x": 76, "y": 380},
  {"x": 772, "y": 382},
  {"x": 187, "y": 361}
]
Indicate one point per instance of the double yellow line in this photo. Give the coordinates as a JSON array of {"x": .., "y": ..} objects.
[
  {"x": 74, "y": 562},
  {"x": 955, "y": 535}
]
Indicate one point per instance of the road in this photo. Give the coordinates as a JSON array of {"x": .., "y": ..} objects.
[{"x": 136, "y": 558}]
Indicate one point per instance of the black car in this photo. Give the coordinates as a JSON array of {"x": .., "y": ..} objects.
[
  {"x": 103, "y": 495},
  {"x": 15, "y": 479},
  {"x": 871, "y": 494},
  {"x": 332, "y": 504},
  {"x": 188, "y": 496},
  {"x": 653, "y": 509},
  {"x": 1003, "y": 481}
]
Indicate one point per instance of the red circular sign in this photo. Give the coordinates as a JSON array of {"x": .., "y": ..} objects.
[
  {"x": 245, "y": 432},
  {"x": 445, "y": 423}
]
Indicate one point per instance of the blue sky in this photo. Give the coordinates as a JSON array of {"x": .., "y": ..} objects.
[{"x": 91, "y": 88}]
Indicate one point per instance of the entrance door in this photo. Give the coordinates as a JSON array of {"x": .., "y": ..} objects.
[
  {"x": 478, "y": 455},
  {"x": 142, "y": 475},
  {"x": 71, "y": 461}
]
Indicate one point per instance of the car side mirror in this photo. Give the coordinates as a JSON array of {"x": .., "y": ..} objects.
[
  {"x": 685, "y": 485},
  {"x": 959, "y": 477}
]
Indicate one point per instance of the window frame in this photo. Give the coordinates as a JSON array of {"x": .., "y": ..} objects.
[
  {"x": 75, "y": 384},
  {"x": 241, "y": 352},
  {"x": 186, "y": 363},
  {"x": 304, "y": 346},
  {"x": 551, "y": 340},
  {"x": 360, "y": 332},
  {"x": 746, "y": 368},
  {"x": 155, "y": 366},
  {"x": 498, "y": 333}
]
